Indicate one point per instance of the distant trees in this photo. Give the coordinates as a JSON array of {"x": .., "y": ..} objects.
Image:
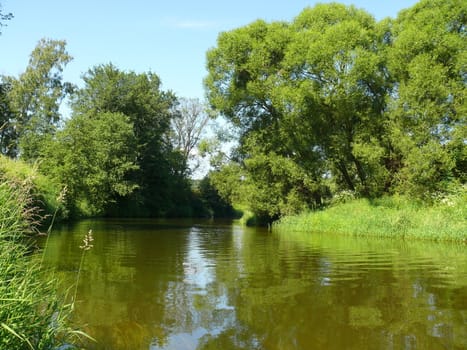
[
  {"x": 344, "y": 101},
  {"x": 189, "y": 123},
  {"x": 124, "y": 150}
]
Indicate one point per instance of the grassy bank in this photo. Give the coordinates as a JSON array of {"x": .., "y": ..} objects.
[
  {"x": 395, "y": 217},
  {"x": 32, "y": 315},
  {"x": 42, "y": 190}
]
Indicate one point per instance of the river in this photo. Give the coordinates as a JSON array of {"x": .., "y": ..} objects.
[{"x": 181, "y": 284}]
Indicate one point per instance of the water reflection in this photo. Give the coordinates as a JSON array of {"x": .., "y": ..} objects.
[{"x": 202, "y": 285}]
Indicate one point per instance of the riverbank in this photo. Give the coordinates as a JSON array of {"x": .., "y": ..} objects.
[
  {"x": 42, "y": 190},
  {"x": 392, "y": 217},
  {"x": 32, "y": 314}
]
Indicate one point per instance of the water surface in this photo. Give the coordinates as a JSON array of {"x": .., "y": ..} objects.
[{"x": 174, "y": 284}]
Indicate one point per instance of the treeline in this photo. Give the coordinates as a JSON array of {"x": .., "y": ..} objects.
[
  {"x": 335, "y": 104},
  {"x": 126, "y": 147}
]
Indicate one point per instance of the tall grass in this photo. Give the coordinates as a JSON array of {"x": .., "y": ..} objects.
[
  {"x": 32, "y": 316},
  {"x": 43, "y": 190},
  {"x": 396, "y": 217}
]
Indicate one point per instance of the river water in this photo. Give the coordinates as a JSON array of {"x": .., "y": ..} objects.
[{"x": 176, "y": 284}]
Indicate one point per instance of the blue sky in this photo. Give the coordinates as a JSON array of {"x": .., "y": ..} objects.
[{"x": 169, "y": 38}]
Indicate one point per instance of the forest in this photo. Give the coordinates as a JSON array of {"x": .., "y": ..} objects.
[{"x": 329, "y": 106}]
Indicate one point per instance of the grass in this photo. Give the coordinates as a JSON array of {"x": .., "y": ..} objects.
[
  {"x": 42, "y": 189},
  {"x": 394, "y": 217},
  {"x": 32, "y": 314}
]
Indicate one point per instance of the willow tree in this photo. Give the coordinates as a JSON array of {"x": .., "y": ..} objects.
[
  {"x": 312, "y": 92},
  {"x": 428, "y": 109},
  {"x": 336, "y": 85}
]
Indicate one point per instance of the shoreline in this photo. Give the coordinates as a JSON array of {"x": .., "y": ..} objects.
[{"x": 389, "y": 217}]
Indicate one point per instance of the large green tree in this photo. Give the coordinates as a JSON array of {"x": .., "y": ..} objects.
[
  {"x": 311, "y": 93},
  {"x": 35, "y": 97},
  {"x": 161, "y": 184},
  {"x": 347, "y": 102},
  {"x": 335, "y": 85}
]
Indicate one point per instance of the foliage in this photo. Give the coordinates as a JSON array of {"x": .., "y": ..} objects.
[
  {"x": 93, "y": 156},
  {"x": 212, "y": 203},
  {"x": 42, "y": 189},
  {"x": 160, "y": 178},
  {"x": 428, "y": 110},
  {"x": 34, "y": 100},
  {"x": 349, "y": 103}
]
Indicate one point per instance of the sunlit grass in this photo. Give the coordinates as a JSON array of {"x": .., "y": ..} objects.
[
  {"x": 32, "y": 314},
  {"x": 396, "y": 217},
  {"x": 43, "y": 190}
]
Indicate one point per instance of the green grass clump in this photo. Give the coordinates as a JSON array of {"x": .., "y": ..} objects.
[
  {"x": 31, "y": 314},
  {"x": 395, "y": 217},
  {"x": 43, "y": 190}
]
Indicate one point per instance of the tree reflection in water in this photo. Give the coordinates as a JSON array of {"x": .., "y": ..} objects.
[{"x": 205, "y": 285}]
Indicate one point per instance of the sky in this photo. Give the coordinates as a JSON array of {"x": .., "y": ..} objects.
[{"x": 167, "y": 37}]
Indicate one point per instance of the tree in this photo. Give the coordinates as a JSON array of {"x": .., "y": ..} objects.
[
  {"x": 93, "y": 156},
  {"x": 310, "y": 94},
  {"x": 35, "y": 98},
  {"x": 161, "y": 185},
  {"x": 189, "y": 123},
  {"x": 428, "y": 110},
  {"x": 335, "y": 88}
]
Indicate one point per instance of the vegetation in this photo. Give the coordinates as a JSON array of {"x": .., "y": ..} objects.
[
  {"x": 329, "y": 102},
  {"x": 391, "y": 217},
  {"x": 333, "y": 109},
  {"x": 42, "y": 190},
  {"x": 335, "y": 101},
  {"x": 126, "y": 148},
  {"x": 32, "y": 316}
]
